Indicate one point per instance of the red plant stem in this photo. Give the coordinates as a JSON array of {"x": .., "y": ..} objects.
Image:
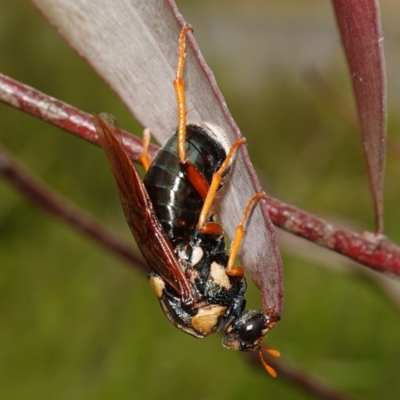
[
  {"x": 62, "y": 115},
  {"x": 45, "y": 198},
  {"x": 376, "y": 252}
]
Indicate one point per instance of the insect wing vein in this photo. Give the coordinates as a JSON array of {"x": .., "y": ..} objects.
[{"x": 138, "y": 209}]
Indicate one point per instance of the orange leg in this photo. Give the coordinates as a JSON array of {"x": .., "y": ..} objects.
[
  {"x": 179, "y": 86},
  {"x": 235, "y": 270},
  {"x": 198, "y": 181},
  {"x": 195, "y": 177},
  {"x": 212, "y": 227},
  {"x": 145, "y": 158}
]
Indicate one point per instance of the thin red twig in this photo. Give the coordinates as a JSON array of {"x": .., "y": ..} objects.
[
  {"x": 45, "y": 198},
  {"x": 51, "y": 202},
  {"x": 62, "y": 115},
  {"x": 376, "y": 252}
]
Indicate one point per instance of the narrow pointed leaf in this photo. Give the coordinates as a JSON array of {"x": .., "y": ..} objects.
[
  {"x": 360, "y": 28},
  {"x": 133, "y": 46}
]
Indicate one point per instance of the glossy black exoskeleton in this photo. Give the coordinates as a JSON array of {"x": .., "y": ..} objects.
[
  {"x": 176, "y": 202},
  {"x": 170, "y": 216}
]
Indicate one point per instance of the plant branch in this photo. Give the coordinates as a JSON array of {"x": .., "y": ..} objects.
[
  {"x": 37, "y": 192},
  {"x": 47, "y": 199},
  {"x": 376, "y": 252},
  {"x": 62, "y": 115}
]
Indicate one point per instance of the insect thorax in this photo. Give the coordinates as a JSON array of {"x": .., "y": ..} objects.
[{"x": 220, "y": 298}]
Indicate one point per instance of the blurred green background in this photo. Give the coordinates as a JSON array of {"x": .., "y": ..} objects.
[{"x": 77, "y": 323}]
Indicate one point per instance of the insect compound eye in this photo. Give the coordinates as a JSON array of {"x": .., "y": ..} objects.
[{"x": 251, "y": 330}]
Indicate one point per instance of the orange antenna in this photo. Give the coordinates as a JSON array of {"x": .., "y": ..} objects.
[{"x": 274, "y": 353}]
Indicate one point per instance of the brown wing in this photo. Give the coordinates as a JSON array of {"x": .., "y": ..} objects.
[{"x": 138, "y": 208}]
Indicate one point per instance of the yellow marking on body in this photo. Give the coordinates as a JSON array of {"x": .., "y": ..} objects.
[
  {"x": 219, "y": 276},
  {"x": 158, "y": 285},
  {"x": 207, "y": 318}
]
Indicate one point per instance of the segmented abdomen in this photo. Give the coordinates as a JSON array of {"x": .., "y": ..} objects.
[{"x": 176, "y": 202}]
